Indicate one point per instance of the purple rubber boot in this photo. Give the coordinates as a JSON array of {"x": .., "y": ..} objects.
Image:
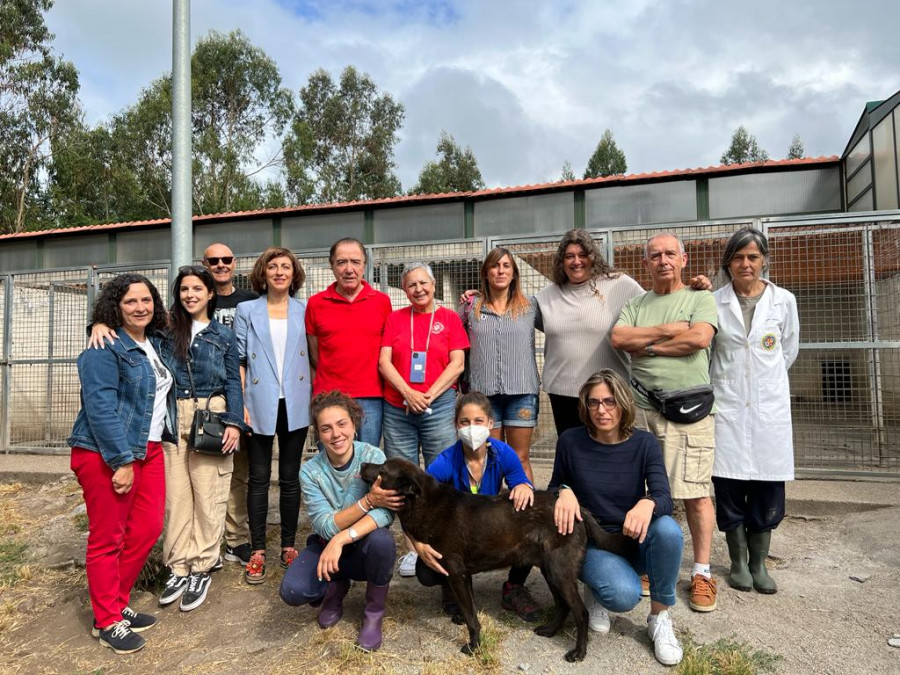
[
  {"x": 333, "y": 603},
  {"x": 370, "y": 631}
]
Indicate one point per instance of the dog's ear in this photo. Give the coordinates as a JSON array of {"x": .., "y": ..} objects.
[{"x": 408, "y": 486}]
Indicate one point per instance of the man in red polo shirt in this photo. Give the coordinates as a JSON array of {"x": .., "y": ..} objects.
[{"x": 344, "y": 324}]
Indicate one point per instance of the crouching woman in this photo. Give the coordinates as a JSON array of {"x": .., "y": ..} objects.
[{"x": 350, "y": 539}]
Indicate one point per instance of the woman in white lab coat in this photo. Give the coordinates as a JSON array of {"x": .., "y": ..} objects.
[{"x": 757, "y": 341}]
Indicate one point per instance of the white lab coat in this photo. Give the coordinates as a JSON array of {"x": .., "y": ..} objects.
[{"x": 750, "y": 378}]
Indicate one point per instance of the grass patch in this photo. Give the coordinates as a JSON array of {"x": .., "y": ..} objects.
[
  {"x": 725, "y": 657},
  {"x": 487, "y": 656},
  {"x": 81, "y": 522},
  {"x": 11, "y": 568}
]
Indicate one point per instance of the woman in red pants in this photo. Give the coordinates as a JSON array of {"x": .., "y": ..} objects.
[{"x": 127, "y": 407}]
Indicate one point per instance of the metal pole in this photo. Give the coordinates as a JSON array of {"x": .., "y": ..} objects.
[
  {"x": 182, "y": 249},
  {"x": 5, "y": 385},
  {"x": 51, "y": 311}
]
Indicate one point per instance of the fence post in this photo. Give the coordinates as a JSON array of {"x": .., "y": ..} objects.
[
  {"x": 4, "y": 362},
  {"x": 874, "y": 357}
]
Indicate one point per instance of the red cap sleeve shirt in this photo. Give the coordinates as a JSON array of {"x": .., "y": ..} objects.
[{"x": 447, "y": 335}]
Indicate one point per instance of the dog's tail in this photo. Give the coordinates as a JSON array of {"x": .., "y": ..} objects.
[{"x": 607, "y": 541}]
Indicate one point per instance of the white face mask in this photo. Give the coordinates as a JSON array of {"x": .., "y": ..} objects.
[{"x": 473, "y": 436}]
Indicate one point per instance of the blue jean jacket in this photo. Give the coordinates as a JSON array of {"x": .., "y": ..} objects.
[
  {"x": 118, "y": 385},
  {"x": 215, "y": 366}
]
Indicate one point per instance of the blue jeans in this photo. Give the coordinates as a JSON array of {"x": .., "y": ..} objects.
[
  {"x": 615, "y": 581},
  {"x": 516, "y": 410},
  {"x": 370, "y": 559},
  {"x": 370, "y": 429},
  {"x": 403, "y": 434}
]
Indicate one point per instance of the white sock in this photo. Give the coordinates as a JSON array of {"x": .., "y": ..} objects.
[{"x": 700, "y": 568}]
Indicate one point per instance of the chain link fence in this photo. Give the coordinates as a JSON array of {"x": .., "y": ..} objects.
[{"x": 845, "y": 385}]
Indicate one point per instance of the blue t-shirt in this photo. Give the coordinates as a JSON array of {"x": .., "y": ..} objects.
[{"x": 502, "y": 465}]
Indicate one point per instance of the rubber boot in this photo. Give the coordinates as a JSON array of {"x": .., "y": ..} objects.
[
  {"x": 370, "y": 632},
  {"x": 333, "y": 603},
  {"x": 739, "y": 576},
  {"x": 758, "y": 543}
]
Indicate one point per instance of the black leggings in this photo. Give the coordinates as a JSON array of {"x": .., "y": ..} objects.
[
  {"x": 290, "y": 450},
  {"x": 565, "y": 412}
]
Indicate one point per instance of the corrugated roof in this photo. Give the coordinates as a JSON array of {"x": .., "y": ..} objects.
[{"x": 589, "y": 183}]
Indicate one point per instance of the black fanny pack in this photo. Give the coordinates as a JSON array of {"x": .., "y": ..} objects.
[{"x": 683, "y": 406}]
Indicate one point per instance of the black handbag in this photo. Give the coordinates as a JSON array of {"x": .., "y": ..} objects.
[
  {"x": 207, "y": 428},
  {"x": 683, "y": 406}
]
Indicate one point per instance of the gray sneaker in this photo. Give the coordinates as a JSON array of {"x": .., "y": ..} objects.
[
  {"x": 198, "y": 586},
  {"x": 598, "y": 617},
  {"x": 175, "y": 586}
]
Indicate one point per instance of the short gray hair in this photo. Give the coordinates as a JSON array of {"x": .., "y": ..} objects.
[
  {"x": 416, "y": 266},
  {"x": 744, "y": 237},
  {"x": 663, "y": 234}
]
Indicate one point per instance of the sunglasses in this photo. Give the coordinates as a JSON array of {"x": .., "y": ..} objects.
[
  {"x": 195, "y": 270},
  {"x": 226, "y": 260}
]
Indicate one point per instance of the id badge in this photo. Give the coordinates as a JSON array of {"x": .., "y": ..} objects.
[{"x": 417, "y": 368}]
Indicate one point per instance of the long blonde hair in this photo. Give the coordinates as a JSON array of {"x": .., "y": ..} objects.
[{"x": 517, "y": 302}]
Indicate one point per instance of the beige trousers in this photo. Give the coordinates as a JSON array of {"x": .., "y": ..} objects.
[
  {"x": 237, "y": 526},
  {"x": 196, "y": 495}
]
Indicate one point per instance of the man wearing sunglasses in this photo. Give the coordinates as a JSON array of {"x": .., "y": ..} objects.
[{"x": 220, "y": 261}]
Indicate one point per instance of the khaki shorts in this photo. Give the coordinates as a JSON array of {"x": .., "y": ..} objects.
[{"x": 688, "y": 451}]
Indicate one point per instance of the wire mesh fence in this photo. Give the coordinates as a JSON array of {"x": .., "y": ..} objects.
[{"x": 845, "y": 385}]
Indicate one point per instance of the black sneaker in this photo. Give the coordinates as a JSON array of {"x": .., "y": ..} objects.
[
  {"x": 121, "y": 639},
  {"x": 238, "y": 554},
  {"x": 137, "y": 621},
  {"x": 196, "y": 591},
  {"x": 217, "y": 565},
  {"x": 175, "y": 586}
]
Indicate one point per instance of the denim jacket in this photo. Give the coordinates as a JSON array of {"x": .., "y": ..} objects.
[
  {"x": 118, "y": 385},
  {"x": 215, "y": 367}
]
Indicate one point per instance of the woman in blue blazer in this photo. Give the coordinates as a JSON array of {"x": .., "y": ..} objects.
[{"x": 275, "y": 372}]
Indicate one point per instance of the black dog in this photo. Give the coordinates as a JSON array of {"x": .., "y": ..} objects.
[{"x": 474, "y": 533}]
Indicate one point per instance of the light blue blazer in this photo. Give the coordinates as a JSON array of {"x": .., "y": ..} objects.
[{"x": 251, "y": 326}]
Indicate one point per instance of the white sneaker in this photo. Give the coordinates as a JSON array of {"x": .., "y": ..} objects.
[
  {"x": 665, "y": 645},
  {"x": 598, "y": 617},
  {"x": 407, "y": 566}
]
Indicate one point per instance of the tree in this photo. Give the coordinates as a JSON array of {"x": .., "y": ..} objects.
[
  {"x": 796, "y": 151},
  {"x": 456, "y": 171},
  {"x": 341, "y": 143},
  {"x": 607, "y": 159},
  {"x": 38, "y": 99},
  {"x": 744, "y": 148},
  {"x": 567, "y": 173}
]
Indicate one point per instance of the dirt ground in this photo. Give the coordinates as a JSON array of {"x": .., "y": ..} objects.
[{"x": 837, "y": 605}]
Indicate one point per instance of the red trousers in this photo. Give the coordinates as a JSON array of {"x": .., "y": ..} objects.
[{"x": 122, "y": 528}]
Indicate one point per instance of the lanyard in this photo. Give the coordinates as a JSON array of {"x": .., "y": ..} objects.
[{"x": 412, "y": 345}]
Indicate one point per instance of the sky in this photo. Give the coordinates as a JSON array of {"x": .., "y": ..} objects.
[{"x": 529, "y": 84}]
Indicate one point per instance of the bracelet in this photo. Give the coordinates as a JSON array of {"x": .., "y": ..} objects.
[{"x": 359, "y": 504}]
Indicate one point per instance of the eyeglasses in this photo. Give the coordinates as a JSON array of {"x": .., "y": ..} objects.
[
  {"x": 226, "y": 260},
  {"x": 608, "y": 403}
]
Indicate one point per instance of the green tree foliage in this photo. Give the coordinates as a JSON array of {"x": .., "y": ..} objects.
[
  {"x": 567, "y": 172},
  {"x": 341, "y": 143},
  {"x": 38, "y": 100},
  {"x": 607, "y": 160},
  {"x": 744, "y": 148},
  {"x": 455, "y": 171},
  {"x": 796, "y": 151}
]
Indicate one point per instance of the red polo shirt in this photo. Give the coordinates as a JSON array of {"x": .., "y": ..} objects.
[
  {"x": 349, "y": 335},
  {"x": 447, "y": 335}
]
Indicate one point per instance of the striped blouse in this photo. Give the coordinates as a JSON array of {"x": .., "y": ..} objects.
[
  {"x": 501, "y": 352},
  {"x": 577, "y": 321}
]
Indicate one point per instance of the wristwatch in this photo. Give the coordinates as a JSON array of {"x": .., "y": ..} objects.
[
  {"x": 353, "y": 533},
  {"x": 649, "y": 350}
]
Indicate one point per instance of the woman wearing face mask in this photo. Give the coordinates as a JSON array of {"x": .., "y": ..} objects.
[{"x": 479, "y": 464}]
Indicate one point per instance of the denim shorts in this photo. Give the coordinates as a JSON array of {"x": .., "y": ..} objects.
[{"x": 514, "y": 410}]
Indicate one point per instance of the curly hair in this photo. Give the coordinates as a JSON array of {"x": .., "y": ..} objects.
[
  {"x": 334, "y": 399},
  {"x": 181, "y": 320},
  {"x": 599, "y": 266},
  {"x": 106, "y": 307},
  {"x": 258, "y": 275},
  {"x": 620, "y": 391}
]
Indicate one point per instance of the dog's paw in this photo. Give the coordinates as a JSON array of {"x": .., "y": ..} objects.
[
  {"x": 575, "y": 655},
  {"x": 546, "y": 630},
  {"x": 468, "y": 649}
]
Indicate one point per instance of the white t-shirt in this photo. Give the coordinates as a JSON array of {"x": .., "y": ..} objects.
[
  {"x": 278, "y": 331},
  {"x": 196, "y": 327},
  {"x": 164, "y": 381}
]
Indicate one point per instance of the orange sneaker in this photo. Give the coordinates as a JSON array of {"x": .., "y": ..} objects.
[
  {"x": 645, "y": 586},
  {"x": 703, "y": 593}
]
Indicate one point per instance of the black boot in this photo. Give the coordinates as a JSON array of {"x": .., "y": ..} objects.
[
  {"x": 758, "y": 543},
  {"x": 739, "y": 577}
]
